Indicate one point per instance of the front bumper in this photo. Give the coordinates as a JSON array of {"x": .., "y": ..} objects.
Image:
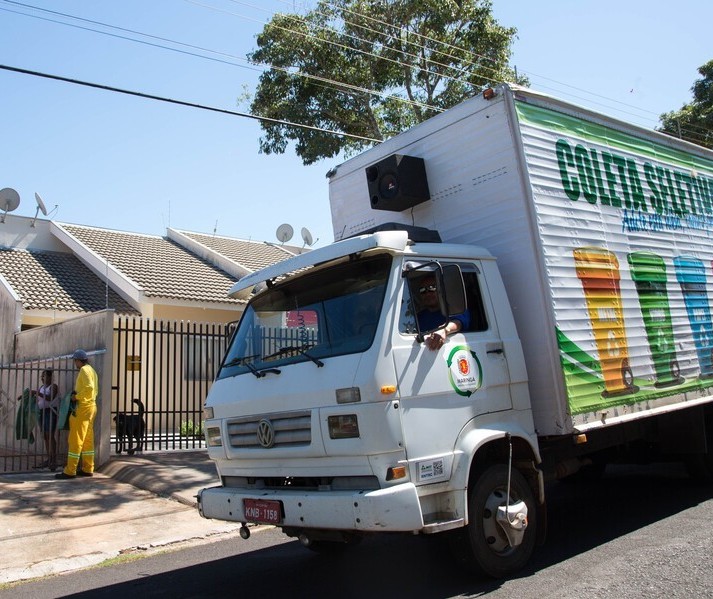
[{"x": 395, "y": 509}]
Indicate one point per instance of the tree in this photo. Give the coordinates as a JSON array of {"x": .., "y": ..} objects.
[
  {"x": 694, "y": 121},
  {"x": 372, "y": 68}
]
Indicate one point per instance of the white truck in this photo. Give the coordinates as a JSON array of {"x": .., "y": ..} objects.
[{"x": 570, "y": 256}]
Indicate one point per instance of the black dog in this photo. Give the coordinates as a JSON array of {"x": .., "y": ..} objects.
[{"x": 131, "y": 427}]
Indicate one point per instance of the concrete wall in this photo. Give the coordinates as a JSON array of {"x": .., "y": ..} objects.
[{"x": 92, "y": 333}]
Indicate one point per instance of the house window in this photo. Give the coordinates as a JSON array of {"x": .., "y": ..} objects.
[{"x": 201, "y": 357}]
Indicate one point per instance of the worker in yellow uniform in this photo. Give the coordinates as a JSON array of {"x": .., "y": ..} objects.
[{"x": 81, "y": 421}]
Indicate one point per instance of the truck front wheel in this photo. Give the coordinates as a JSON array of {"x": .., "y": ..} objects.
[{"x": 482, "y": 546}]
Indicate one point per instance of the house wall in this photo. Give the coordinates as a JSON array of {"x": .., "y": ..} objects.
[
  {"x": 19, "y": 233},
  {"x": 10, "y": 318},
  {"x": 163, "y": 312},
  {"x": 91, "y": 332}
]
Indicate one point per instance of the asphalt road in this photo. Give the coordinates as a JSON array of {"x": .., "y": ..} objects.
[{"x": 637, "y": 533}]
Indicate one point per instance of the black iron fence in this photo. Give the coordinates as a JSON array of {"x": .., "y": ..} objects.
[
  {"x": 168, "y": 367},
  {"x": 25, "y": 441}
]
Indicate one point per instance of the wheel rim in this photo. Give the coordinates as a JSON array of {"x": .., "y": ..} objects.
[{"x": 494, "y": 535}]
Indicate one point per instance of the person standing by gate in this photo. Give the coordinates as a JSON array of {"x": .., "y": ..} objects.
[
  {"x": 48, "y": 405},
  {"x": 81, "y": 421}
]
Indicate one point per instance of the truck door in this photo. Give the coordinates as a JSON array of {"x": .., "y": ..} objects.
[{"x": 441, "y": 390}]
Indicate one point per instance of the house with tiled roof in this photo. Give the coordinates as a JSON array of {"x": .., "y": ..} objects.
[{"x": 61, "y": 270}]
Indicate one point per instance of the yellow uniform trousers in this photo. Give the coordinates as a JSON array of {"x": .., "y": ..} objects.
[{"x": 81, "y": 439}]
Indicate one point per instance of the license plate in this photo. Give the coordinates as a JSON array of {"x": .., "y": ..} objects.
[{"x": 266, "y": 511}]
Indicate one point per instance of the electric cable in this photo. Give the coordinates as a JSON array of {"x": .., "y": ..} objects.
[{"x": 182, "y": 102}]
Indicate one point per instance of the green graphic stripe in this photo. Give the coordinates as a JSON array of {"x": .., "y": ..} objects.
[
  {"x": 561, "y": 123},
  {"x": 576, "y": 354},
  {"x": 585, "y": 380}
]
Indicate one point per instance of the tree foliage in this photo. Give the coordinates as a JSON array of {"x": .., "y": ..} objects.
[
  {"x": 694, "y": 121},
  {"x": 372, "y": 68}
]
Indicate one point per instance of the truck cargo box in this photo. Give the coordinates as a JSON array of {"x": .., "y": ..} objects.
[{"x": 602, "y": 232}]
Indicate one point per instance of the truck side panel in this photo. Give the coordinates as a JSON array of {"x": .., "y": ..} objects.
[{"x": 624, "y": 224}]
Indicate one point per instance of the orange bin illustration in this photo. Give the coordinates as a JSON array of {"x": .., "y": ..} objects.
[{"x": 598, "y": 269}]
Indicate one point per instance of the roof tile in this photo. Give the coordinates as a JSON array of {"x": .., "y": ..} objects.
[
  {"x": 160, "y": 266},
  {"x": 57, "y": 281}
]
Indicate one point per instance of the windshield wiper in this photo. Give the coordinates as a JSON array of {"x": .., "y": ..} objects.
[
  {"x": 317, "y": 361},
  {"x": 291, "y": 349},
  {"x": 244, "y": 361}
]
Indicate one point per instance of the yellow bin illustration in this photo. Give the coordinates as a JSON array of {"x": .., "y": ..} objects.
[{"x": 598, "y": 269}]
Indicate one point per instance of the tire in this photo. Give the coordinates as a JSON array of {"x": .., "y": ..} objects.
[{"x": 482, "y": 547}]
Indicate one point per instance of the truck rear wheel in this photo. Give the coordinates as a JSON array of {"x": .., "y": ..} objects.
[{"x": 482, "y": 546}]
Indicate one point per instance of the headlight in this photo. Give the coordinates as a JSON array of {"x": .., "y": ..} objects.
[
  {"x": 343, "y": 426},
  {"x": 212, "y": 436},
  {"x": 348, "y": 395}
]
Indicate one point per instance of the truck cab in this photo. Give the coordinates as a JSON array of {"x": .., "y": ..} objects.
[{"x": 331, "y": 418}]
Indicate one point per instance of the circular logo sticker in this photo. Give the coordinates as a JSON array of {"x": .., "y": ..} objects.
[{"x": 464, "y": 370}]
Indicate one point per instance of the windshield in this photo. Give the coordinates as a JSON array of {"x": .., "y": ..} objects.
[{"x": 331, "y": 312}]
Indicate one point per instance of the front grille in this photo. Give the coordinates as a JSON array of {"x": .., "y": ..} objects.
[{"x": 292, "y": 429}]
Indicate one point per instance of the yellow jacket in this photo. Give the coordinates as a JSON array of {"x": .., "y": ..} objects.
[{"x": 86, "y": 388}]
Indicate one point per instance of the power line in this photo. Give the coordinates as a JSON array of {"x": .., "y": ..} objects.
[
  {"x": 407, "y": 42},
  {"x": 450, "y": 46},
  {"x": 182, "y": 102},
  {"x": 338, "y": 85}
]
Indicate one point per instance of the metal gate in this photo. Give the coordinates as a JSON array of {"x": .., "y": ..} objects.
[
  {"x": 23, "y": 444},
  {"x": 169, "y": 367}
]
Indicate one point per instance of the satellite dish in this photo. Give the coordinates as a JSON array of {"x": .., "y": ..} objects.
[
  {"x": 9, "y": 201},
  {"x": 307, "y": 236},
  {"x": 40, "y": 206},
  {"x": 284, "y": 232}
]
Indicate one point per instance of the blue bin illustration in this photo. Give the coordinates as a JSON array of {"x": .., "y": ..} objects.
[{"x": 691, "y": 275}]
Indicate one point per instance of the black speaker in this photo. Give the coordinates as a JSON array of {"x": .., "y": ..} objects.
[{"x": 397, "y": 182}]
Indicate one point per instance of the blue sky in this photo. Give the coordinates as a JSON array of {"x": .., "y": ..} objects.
[{"x": 132, "y": 164}]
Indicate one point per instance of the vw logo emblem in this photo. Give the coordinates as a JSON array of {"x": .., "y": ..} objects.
[{"x": 265, "y": 433}]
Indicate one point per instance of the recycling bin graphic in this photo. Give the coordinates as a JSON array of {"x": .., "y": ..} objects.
[
  {"x": 691, "y": 275},
  {"x": 598, "y": 270},
  {"x": 648, "y": 271}
]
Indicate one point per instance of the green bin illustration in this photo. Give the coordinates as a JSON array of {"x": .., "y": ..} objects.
[
  {"x": 598, "y": 269},
  {"x": 648, "y": 271}
]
